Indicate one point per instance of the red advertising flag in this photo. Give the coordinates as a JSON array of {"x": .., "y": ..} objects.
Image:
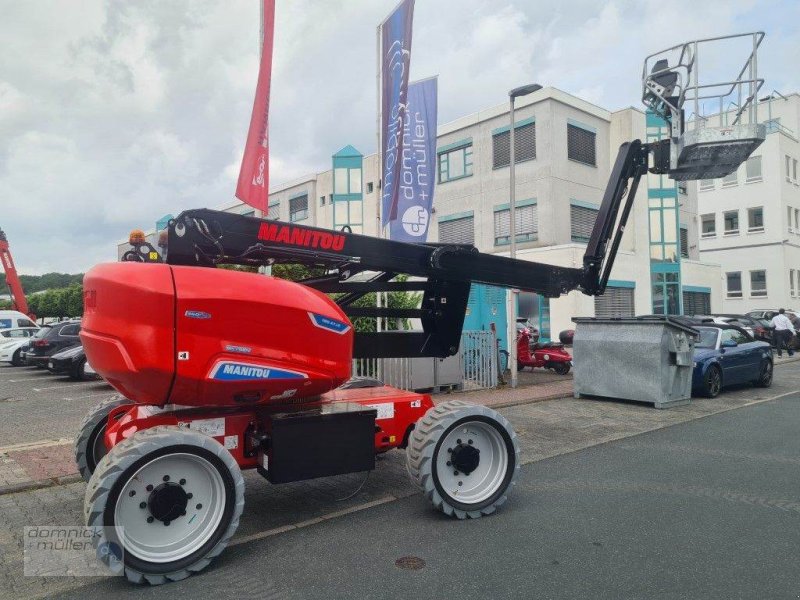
[{"x": 253, "y": 185}]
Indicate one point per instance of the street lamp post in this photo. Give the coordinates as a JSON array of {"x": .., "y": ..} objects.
[{"x": 511, "y": 295}]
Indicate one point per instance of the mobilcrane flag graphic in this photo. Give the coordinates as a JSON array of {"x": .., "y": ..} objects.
[
  {"x": 395, "y": 63},
  {"x": 253, "y": 185}
]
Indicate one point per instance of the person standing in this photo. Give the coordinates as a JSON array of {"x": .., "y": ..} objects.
[{"x": 783, "y": 332}]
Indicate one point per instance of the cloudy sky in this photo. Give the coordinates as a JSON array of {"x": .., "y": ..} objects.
[{"x": 114, "y": 113}]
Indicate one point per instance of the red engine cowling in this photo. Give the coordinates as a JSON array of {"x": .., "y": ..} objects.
[{"x": 198, "y": 336}]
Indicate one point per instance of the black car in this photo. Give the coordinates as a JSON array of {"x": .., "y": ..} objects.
[
  {"x": 59, "y": 337},
  {"x": 72, "y": 362}
]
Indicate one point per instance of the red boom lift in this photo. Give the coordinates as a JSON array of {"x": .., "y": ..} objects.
[
  {"x": 222, "y": 370},
  {"x": 18, "y": 301}
]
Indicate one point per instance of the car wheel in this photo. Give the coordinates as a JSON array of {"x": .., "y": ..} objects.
[
  {"x": 16, "y": 360},
  {"x": 713, "y": 382},
  {"x": 79, "y": 371},
  {"x": 764, "y": 375}
]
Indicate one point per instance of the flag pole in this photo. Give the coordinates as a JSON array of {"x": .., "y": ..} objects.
[{"x": 379, "y": 190}]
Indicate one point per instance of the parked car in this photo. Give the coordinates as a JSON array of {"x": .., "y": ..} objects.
[
  {"x": 751, "y": 325},
  {"x": 59, "y": 337},
  {"x": 11, "y": 319},
  {"x": 12, "y": 341},
  {"x": 727, "y": 355},
  {"x": 72, "y": 362},
  {"x": 794, "y": 317}
]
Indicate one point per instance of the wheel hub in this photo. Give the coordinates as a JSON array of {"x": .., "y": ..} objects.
[
  {"x": 167, "y": 502},
  {"x": 465, "y": 458}
]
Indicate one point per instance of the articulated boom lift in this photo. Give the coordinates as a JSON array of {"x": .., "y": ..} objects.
[
  {"x": 18, "y": 301},
  {"x": 221, "y": 370}
]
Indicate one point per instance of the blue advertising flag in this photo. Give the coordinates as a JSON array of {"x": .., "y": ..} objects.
[
  {"x": 395, "y": 65},
  {"x": 418, "y": 165}
]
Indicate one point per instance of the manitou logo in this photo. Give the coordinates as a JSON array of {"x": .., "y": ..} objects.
[{"x": 308, "y": 238}]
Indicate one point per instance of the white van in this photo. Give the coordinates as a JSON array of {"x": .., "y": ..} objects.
[{"x": 12, "y": 319}]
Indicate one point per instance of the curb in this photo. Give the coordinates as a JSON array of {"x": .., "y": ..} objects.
[{"x": 27, "y": 486}]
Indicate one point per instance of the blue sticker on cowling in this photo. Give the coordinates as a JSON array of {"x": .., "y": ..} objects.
[
  {"x": 233, "y": 371},
  {"x": 324, "y": 322}
]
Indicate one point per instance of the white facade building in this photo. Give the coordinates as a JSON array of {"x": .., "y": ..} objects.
[
  {"x": 565, "y": 148},
  {"x": 750, "y": 220}
]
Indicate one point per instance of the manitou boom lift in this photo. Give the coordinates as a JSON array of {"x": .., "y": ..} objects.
[
  {"x": 221, "y": 370},
  {"x": 18, "y": 301}
]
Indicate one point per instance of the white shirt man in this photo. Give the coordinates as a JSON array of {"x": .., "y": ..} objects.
[{"x": 784, "y": 330}]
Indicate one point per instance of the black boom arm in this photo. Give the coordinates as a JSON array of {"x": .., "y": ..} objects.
[{"x": 442, "y": 272}]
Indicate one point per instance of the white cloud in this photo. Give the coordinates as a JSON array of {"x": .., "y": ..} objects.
[{"x": 113, "y": 113}]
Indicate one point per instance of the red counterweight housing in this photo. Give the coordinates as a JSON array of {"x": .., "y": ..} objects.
[{"x": 196, "y": 336}]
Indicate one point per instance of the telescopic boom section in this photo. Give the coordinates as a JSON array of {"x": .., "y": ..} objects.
[{"x": 18, "y": 301}]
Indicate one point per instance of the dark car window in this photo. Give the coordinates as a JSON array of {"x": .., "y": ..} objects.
[
  {"x": 70, "y": 330},
  {"x": 25, "y": 323},
  {"x": 708, "y": 338},
  {"x": 735, "y": 335},
  {"x": 43, "y": 332}
]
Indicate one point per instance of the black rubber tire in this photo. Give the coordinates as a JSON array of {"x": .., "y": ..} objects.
[
  {"x": 122, "y": 463},
  {"x": 765, "y": 375},
  {"x": 425, "y": 444},
  {"x": 78, "y": 371},
  {"x": 712, "y": 382},
  {"x": 15, "y": 358},
  {"x": 562, "y": 368},
  {"x": 94, "y": 424}
]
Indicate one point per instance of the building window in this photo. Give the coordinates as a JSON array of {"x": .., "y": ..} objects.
[
  {"x": 734, "y": 284},
  {"x": 581, "y": 145},
  {"x": 330, "y": 198},
  {"x": 684, "y": 242},
  {"x": 758, "y": 284},
  {"x": 582, "y": 220},
  {"x": 524, "y": 146},
  {"x": 274, "y": 211},
  {"x": 789, "y": 215},
  {"x": 792, "y": 289},
  {"x": 615, "y": 302},
  {"x": 457, "y": 163},
  {"x": 753, "y": 169},
  {"x": 696, "y": 303},
  {"x": 322, "y": 200},
  {"x": 730, "y": 179},
  {"x": 346, "y": 181},
  {"x": 731, "y": 222},
  {"x": 683, "y": 188},
  {"x": 797, "y": 220},
  {"x": 788, "y": 167},
  {"x": 526, "y": 225},
  {"x": 706, "y": 184},
  {"x": 708, "y": 225},
  {"x": 298, "y": 208},
  {"x": 755, "y": 219},
  {"x": 457, "y": 231},
  {"x": 370, "y": 187},
  {"x": 794, "y": 170}
]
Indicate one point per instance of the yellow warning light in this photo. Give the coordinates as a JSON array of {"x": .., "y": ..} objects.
[{"x": 136, "y": 237}]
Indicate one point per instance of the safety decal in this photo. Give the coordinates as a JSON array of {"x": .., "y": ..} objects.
[
  {"x": 385, "y": 410},
  {"x": 235, "y": 371},
  {"x": 324, "y": 322}
]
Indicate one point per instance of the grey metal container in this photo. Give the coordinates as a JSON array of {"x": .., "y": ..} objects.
[{"x": 643, "y": 359}]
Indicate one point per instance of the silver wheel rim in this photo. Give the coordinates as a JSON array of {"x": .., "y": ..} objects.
[
  {"x": 155, "y": 541},
  {"x": 766, "y": 376},
  {"x": 482, "y": 483},
  {"x": 714, "y": 383}
]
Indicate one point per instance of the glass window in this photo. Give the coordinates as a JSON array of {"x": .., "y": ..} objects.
[
  {"x": 340, "y": 212},
  {"x": 322, "y": 200},
  {"x": 755, "y": 219},
  {"x": 370, "y": 187},
  {"x": 730, "y": 179},
  {"x": 274, "y": 211},
  {"x": 753, "y": 168},
  {"x": 355, "y": 181},
  {"x": 731, "y": 222},
  {"x": 758, "y": 283},
  {"x": 684, "y": 242},
  {"x": 683, "y": 187},
  {"x": 457, "y": 231},
  {"x": 298, "y": 208},
  {"x": 340, "y": 181},
  {"x": 25, "y": 323},
  {"x": 706, "y": 184},
  {"x": 708, "y": 338},
  {"x": 788, "y": 165},
  {"x": 789, "y": 215},
  {"x": 791, "y": 282},
  {"x": 524, "y": 146},
  {"x": 582, "y": 219},
  {"x": 797, "y": 219},
  {"x": 455, "y": 164},
  {"x": 794, "y": 169},
  {"x": 526, "y": 225},
  {"x": 708, "y": 225},
  {"x": 734, "y": 280},
  {"x": 70, "y": 330},
  {"x": 581, "y": 145}
]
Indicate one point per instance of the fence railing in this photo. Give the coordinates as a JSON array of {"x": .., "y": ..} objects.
[
  {"x": 479, "y": 359},
  {"x": 391, "y": 371}
]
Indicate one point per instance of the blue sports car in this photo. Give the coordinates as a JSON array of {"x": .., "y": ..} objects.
[{"x": 727, "y": 355}]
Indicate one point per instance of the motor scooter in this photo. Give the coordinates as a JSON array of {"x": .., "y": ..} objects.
[{"x": 547, "y": 355}]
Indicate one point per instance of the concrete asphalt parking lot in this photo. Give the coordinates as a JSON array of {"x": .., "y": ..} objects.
[{"x": 614, "y": 500}]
